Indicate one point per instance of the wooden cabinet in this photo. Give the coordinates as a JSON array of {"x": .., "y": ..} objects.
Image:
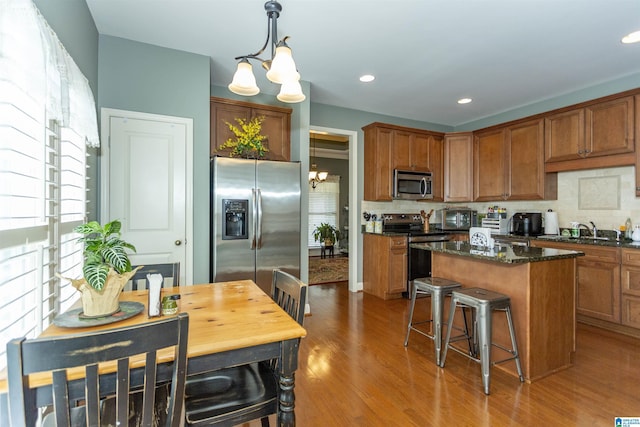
[
  {"x": 630, "y": 286},
  {"x": 388, "y": 147},
  {"x": 637, "y": 135},
  {"x": 458, "y": 167},
  {"x": 598, "y": 281},
  {"x": 458, "y": 237},
  {"x": 509, "y": 164},
  {"x": 378, "y": 169},
  {"x": 489, "y": 166},
  {"x": 598, "y": 134},
  {"x": 384, "y": 265},
  {"x": 276, "y": 125},
  {"x": 436, "y": 166}
]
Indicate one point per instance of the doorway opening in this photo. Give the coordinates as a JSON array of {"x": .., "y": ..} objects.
[{"x": 335, "y": 151}]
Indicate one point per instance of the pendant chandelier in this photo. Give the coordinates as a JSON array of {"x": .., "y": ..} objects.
[
  {"x": 281, "y": 68},
  {"x": 316, "y": 177}
]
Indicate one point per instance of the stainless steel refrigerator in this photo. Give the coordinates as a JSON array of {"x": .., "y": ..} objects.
[{"x": 255, "y": 215}]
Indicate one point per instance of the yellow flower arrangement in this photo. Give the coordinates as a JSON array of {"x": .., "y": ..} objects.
[{"x": 248, "y": 142}]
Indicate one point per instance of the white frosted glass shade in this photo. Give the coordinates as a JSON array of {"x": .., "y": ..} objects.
[
  {"x": 283, "y": 67},
  {"x": 323, "y": 175},
  {"x": 312, "y": 175},
  {"x": 244, "y": 82},
  {"x": 291, "y": 92}
]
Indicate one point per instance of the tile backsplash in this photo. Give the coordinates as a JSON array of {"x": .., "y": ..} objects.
[{"x": 604, "y": 196}]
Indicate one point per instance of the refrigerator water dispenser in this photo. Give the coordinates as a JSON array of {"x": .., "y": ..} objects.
[{"x": 235, "y": 219}]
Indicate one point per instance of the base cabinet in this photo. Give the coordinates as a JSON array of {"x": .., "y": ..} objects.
[
  {"x": 384, "y": 265},
  {"x": 630, "y": 284},
  {"x": 598, "y": 280}
]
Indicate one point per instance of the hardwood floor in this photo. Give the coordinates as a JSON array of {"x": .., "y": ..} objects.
[{"x": 354, "y": 370}]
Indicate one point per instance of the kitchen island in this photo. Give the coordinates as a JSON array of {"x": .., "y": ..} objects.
[{"x": 541, "y": 283}]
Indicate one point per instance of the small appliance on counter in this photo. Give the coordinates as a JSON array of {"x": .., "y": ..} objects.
[
  {"x": 551, "y": 223},
  {"x": 527, "y": 223},
  {"x": 457, "y": 218}
]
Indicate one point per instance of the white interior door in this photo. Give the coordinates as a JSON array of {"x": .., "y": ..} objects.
[{"x": 147, "y": 186}]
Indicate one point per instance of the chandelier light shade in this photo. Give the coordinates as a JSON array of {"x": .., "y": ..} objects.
[
  {"x": 316, "y": 177},
  {"x": 244, "y": 82},
  {"x": 281, "y": 68}
]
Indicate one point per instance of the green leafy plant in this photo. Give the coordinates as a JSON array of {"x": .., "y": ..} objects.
[
  {"x": 103, "y": 249},
  {"x": 326, "y": 233},
  {"x": 249, "y": 141}
]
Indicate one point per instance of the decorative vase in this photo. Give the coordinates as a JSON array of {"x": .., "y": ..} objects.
[{"x": 106, "y": 301}]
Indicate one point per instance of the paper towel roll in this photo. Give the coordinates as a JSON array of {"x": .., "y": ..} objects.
[{"x": 551, "y": 223}]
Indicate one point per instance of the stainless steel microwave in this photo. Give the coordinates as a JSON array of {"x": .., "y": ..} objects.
[
  {"x": 458, "y": 219},
  {"x": 412, "y": 185}
]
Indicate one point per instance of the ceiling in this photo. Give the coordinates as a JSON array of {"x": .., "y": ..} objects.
[{"x": 425, "y": 54}]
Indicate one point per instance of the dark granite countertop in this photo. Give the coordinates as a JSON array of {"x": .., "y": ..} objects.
[
  {"x": 503, "y": 253},
  {"x": 584, "y": 240}
]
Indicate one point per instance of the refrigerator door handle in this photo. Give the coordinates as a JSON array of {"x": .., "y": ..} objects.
[
  {"x": 259, "y": 219},
  {"x": 253, "y": 218}
]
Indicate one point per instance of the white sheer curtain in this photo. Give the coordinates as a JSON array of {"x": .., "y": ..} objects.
[
  {"x": 32, "y": 57},
  {"x": 47, "y": 118}
]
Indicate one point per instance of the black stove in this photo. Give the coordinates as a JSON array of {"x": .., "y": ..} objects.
[
  {"x": 410, "y": 224},
  {"x": 418, "y": 260}
]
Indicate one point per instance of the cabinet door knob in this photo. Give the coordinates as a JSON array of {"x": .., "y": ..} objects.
[{"x": 178, "y": 242}]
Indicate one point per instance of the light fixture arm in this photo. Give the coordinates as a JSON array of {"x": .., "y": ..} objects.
[
  {"x": 280, "y": 67},
  {"x": 273, "y": 9}
]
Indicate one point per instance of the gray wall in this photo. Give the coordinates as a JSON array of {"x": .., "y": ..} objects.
[{"x": 140, "y": 77}]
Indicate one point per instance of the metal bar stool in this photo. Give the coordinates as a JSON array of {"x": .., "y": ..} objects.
[
  {"x": 438, "y": 289},
  {"x": 483, "y": 302}
]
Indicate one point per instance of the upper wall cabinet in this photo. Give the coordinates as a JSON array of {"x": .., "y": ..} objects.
[
  {"x": 388, "y": 147},
  {"x": 637, "y": 114},
  {"x": 276, "y": 126},
  {"x": 508, "y": 164},
  {"x": 458, "y": 167},
  {"x": 596, "y": 135}
]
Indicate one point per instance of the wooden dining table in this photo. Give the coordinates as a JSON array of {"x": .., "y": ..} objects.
[{"x": 230, "y": 323}]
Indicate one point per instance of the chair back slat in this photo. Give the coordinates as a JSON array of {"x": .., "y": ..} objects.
[
  {"x": 122, "y": 391},
  {"x": 170, "y": 275},
  {"x": 88, "y": 350},
  {"x": 290, "y": 293},
  {"x": 149, "y": 398},
  {"x": 92, "y": 397},
  {"x": 61, "y": 398}
]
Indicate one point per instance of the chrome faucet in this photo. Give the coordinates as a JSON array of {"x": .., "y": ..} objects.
[{"x": 593, "y": 231}]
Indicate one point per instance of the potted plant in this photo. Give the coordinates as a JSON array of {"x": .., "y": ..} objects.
[
  {"x": 326, "y": 234},
  {"x": 106, "y": 268},
  {"x": 249, "y": 141}
]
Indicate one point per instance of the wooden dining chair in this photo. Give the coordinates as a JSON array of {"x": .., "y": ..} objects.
[
  {"x": 243, "y": 393},
  {"x": 170, "y": 274},
  {"x": 76, "y": 399}
]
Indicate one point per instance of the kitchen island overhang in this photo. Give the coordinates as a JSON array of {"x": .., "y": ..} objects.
[{"x": 541, "y": 283}]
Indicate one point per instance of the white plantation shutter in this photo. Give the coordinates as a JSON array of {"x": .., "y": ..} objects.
[
  {"x": 323, "y": 206},
  {"x": 47, "y": 118}
]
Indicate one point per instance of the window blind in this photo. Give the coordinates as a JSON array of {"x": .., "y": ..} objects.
[{"x": 323, "y": 206}]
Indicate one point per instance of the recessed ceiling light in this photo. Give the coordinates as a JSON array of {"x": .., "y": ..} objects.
[
  {"x": 367, "y": 78},
  {"x": 464, "y": 100},
  {"x": 632, "y": 37}
]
